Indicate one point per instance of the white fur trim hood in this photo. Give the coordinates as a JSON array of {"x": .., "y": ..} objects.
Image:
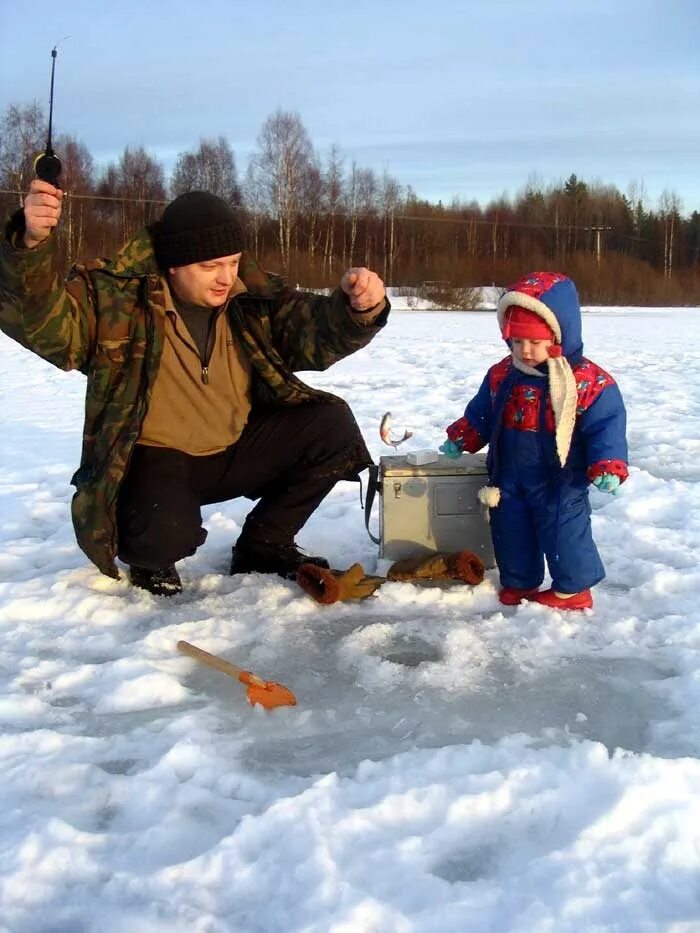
[{"x": 562, "y": 382}]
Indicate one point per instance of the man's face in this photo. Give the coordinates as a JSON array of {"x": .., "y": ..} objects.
[{"x": 205, "y": 283}]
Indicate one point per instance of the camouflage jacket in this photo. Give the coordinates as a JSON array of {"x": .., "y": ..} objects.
[{"x": 107, "y": 320}]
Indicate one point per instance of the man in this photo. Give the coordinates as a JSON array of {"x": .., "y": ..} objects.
[{"x": 190, "y": 350}]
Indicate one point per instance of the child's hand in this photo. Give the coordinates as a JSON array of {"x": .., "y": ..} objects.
[
  {"x": 607, "y": 482},
  {"x": 450, "y": 449}
]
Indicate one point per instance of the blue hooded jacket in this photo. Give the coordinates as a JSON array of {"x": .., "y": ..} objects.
[{"x": 510, "y": 400}]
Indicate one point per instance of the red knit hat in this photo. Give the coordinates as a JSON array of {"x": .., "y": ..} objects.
[{"x": 521, "y": 324}]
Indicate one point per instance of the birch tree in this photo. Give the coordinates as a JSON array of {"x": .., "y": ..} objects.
[
  {"x": 390, "y": 200},
  {"x": 283, "y": 159},
  {"x": 669, "y": 210},
  {"x": 333, "y": 193}
]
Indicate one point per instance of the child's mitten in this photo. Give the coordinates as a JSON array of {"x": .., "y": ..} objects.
[
  {"x": 607, "y": 482},
  {"x": 451, "y": 449},
  {"x": 331, "y": 586}
]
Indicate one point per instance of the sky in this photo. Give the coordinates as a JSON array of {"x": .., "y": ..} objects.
[
  {"x": 452, "y": 765},
  {"x": 456, "y": 99}
]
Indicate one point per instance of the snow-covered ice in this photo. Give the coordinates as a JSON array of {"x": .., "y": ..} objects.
[{"x": 452, "y": 765}]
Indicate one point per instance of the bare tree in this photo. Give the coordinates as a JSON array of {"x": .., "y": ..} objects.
[
  {"x": 391, "y": 200},
  {"x": 637, "y": 198},
  {"x": 284, "y": 156},
  {"x": 368, "y": 195},
  {"x": 311, "y": 204},
  {"x": 255, "y": 197},
  {"x": 669, "y": 209},
  {"x": 22, "y": 138},
  {"x": 211, "y": 168},
  {"x": 351, "y": 209},
  {"x": 77, "y": 178},
  {"x": 333, "y": 192},
  {"x": 138, "y": 180}
]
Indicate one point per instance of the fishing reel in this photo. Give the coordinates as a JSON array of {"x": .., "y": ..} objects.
[{"x": 47, "y": 167}]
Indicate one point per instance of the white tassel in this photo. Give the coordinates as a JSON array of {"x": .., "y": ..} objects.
[
  {"x": 489, "y": 496},
  {"x": 564, "y": 396}
]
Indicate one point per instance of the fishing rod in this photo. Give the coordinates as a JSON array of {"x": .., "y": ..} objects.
[{"x": 47, "y": 165}]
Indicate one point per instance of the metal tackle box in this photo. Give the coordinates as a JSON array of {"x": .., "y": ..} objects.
[{"x": 432, "y": 507}]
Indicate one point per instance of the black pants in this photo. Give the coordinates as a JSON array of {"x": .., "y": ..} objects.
[{"x": 288, "y": 458}]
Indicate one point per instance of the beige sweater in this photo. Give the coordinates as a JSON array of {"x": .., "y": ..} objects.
[{"x": 186, "y": 412}]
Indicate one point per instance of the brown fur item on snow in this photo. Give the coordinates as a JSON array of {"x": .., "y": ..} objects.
[
  {"x": 460, "y": 565},
  {"x": 466, "y": 566}
]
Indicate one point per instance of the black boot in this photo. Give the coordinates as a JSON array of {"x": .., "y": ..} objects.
[
  {"x": 162, "y": 582},
  {"x": 282, "y": 559}
]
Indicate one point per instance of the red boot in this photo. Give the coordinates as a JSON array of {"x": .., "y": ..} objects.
[
  {"x": 511, "y": 596},
  {"x": 582, "y": 600}
]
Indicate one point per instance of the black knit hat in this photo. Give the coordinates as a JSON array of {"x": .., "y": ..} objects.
[{"x": 195, "y": 227}]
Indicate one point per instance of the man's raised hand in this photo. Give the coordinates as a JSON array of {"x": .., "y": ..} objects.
[
  {"x": 363, "y": 287},
  {"x": 42, "y": 210}
]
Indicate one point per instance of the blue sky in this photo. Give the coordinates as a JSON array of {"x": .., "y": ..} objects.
[{"x": 465, "y": 99}]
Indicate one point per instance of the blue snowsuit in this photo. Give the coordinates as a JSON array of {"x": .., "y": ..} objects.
[{"x": 544, "y": 509}]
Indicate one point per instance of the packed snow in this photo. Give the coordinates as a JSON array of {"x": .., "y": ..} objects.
[{"x": 452, "y": 764}]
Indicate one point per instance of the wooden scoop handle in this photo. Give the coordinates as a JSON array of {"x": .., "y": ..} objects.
[{"x": 211, "y": 660}]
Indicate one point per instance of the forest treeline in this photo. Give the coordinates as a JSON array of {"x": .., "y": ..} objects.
[{"x": 311, "y": 216}]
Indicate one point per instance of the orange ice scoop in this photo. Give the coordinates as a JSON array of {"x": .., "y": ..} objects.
[{"x": 265, "y": 692}]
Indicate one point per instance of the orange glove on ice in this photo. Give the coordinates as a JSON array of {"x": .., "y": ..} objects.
[{"x": 332, "y": 586}]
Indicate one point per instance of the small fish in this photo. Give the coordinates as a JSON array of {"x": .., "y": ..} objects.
[{"x": 385, "y": 432}]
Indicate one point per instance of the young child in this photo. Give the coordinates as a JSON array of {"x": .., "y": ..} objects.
[{"x": 554, "y": 422}]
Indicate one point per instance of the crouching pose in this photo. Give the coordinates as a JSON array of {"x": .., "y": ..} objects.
[
  {"x": 554, "y": 422},
  {"x": 190, "y": 351}
]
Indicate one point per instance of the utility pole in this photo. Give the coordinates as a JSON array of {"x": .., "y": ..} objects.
[{"x": 598, "y": 230}]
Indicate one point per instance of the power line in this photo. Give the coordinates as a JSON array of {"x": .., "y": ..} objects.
[
  {"x": 96, "y": 197},
  {"x": 462, "y": 221}
]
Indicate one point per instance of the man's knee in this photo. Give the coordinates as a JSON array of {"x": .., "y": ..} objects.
[
  {"x": 335, "y": 429},
  {"x": 157, "y": 537},
  {"x": 158, "y": 522}
]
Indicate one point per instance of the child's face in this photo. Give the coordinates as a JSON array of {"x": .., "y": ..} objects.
[{"x": 530, "y": 352}]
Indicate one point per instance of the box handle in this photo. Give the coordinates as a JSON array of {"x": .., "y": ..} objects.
[{"x": 372, "y": 489}]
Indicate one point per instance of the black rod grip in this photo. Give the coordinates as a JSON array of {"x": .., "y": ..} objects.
[{"x": 48, "y": 167}]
